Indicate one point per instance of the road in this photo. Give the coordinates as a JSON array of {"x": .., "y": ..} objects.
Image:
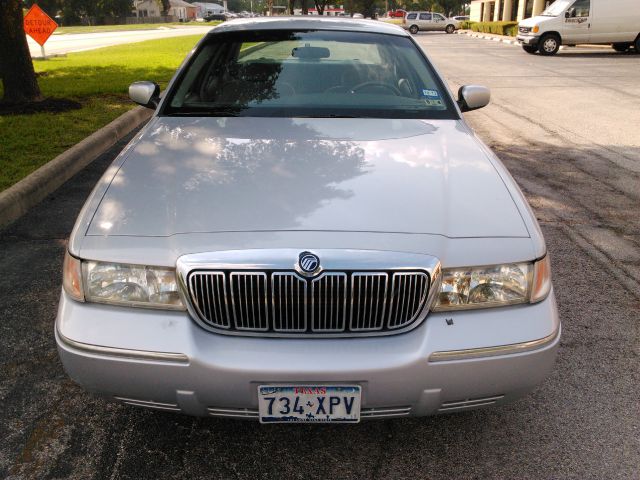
[
  {"x": 564, "y": 126},
  {"x": 78, "y": 42}
]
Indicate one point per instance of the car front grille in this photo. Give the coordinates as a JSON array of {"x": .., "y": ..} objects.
[
  {"x": 283, "y": 302},
  {"x": 524, "y": 30}
]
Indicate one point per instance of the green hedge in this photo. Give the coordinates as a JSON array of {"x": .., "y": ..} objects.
[
  {"x": 499, "y": 28},
  {"x": 466, "y": 25}
]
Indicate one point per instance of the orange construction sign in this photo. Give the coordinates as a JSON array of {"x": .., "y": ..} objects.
[{"x": 38, "y": 25}]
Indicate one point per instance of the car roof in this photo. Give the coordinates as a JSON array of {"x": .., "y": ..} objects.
[{"x": 308, "y": 22}]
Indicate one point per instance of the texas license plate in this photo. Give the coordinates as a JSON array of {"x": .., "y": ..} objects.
[{"x": 309, "y": 403}]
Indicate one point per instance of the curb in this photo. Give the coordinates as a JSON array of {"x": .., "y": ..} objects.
[
  {"x": 16, "y": 200},
  {"x": 513, "y": 41}
]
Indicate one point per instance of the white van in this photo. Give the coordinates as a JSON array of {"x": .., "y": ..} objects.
[{"x": 568, "y": 22}]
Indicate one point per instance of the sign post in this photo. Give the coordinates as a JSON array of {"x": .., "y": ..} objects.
[{"x": 39, "y": 26}]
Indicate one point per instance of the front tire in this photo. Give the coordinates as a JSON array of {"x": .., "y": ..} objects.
[
  {"x": 530, "y": 49},
  {"x": 413, "y": 29},
  {"x": 549, "y": 44},
  {"x": 450, "y": 29},
  {"x": 621, "y": 47}
]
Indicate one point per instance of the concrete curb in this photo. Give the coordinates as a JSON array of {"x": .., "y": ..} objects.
[
  {"x": 513, "y": 41},
  {"x": 16, "y": 200}
]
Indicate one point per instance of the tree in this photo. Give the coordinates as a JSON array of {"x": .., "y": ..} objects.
[
  {"x": 164, "y": 6},
  {"x": 16, "y": 68},
  {"x": 320, "y": 6}
]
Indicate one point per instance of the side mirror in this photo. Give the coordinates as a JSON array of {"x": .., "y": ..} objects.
[
  {"x": 473, "y": 97},
  {"x": 146, "y": 94},
  {"x": 567, "y": 14}
]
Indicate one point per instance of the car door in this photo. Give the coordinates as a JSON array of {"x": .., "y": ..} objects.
[
  {"x": 577, "y": 23},
  {"x": 439, "y": 22},
  {"x": 424, "y": 21}
]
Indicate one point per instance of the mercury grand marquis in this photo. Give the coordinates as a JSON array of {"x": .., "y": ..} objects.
[{"x": 307, "y": 231}]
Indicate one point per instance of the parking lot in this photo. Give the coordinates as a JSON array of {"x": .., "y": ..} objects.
[{"x": 567, "y": 129}]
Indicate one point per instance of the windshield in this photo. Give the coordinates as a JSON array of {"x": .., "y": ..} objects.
[
  {"x": 309, "y": 74},
  {"x": 557, "y": 8}
]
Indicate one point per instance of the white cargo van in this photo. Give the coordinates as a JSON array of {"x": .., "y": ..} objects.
[{"x": 569, "y": 22}]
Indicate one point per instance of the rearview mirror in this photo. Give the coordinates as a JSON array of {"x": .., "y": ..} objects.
[
  {"x": 145, "y": 93},
  {"x": 473, "y": 97},
  {"x": 310, "y": 53}
]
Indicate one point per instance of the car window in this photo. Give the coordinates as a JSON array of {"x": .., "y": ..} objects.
[
  {"x": 310, "y": 74},
  {"x": 580, "y": 8},
  {"x": 437, "y": 16},
  {"x": 412, "y": 16},
  {"x": 425, "y": 16}
]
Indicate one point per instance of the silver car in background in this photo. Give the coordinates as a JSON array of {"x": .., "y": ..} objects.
[
  {"x": 429, "y": 22},
  {"x": 307, "y": 231}
]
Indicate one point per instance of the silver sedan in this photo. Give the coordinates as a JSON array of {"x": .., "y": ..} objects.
[{"x": 307, "y": 231}]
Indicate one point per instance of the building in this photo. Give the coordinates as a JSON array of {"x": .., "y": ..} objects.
[
  {"x": 146, "y": 8},
  {"x": 182, "y": 10},
  {"x": 204, "y": 9},
  {"x": 506, "y": 10}
]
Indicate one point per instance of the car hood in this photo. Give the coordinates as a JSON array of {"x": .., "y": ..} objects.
[
  {"x": 187, "y": 175},
  {"x": 537, "y": 20}
]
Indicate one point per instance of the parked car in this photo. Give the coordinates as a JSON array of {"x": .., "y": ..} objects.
[
  {"x": 429, "y": 22},
  {"x": 357, "y": 15},
  {"x": 307, "y": 231},
  {"x": 396, "y": 13},
  {"x": 462, "y": 18},
  {"x": 569, "y": 22},
  {"x": 221, "y": 17}
]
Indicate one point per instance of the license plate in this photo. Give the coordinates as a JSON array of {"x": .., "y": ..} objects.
[{"x": 309, "y": 403}]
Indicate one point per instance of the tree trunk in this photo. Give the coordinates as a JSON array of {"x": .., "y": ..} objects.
[
  {"x": 291, "y": 6},
  {"x": 320, "y": 6},
  {"x": 305, "y": 7},
  {"x": 16, "y": 67}
]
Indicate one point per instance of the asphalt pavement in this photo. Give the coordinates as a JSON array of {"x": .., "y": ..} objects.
[
  {"x": 79, "y": 42},
  {"x": 566, "y": 127}
]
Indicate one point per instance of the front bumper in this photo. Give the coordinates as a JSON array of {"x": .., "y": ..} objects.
[
  {"x": 163, "y": 360},
  {"x": 528, "y": 40}
]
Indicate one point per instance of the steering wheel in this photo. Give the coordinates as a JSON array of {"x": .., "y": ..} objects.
[{"x": 363, "y": 85}]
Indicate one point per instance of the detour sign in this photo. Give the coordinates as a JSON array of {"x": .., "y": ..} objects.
[{"x": 38, "y": 25}]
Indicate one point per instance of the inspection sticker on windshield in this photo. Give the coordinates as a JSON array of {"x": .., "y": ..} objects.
[
  {"x": 432, "y": 97},
  {"x": 309, "y": 403}
]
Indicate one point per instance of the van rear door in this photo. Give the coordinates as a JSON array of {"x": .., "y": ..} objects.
[{"x": 577, "y": 23}]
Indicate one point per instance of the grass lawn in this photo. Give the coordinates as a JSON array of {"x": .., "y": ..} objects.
[
  {"x": 99, "y": 80},
  {"x": 136, "y": 26}
]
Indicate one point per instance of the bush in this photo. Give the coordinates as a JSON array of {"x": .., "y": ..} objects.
[
  {"x": 466, "y": 25},
  {"x": 499, "y": 28}
]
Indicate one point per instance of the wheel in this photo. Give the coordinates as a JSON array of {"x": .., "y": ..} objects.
[
  {"x": 413, "y": 29},
  {"x": 549, "y": 44},
  {"x": 530, "y": 49},
  {"x": 450, "y": 29},
  {"x": 621, "y": 47}
]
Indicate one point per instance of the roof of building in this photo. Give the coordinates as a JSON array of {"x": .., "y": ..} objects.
[
  {"x": 308, "y": 22},
  {"x": 181, "y": 3}
]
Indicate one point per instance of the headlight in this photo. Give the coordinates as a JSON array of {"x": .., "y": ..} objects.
[
  {"x": 494, "y": 286},
  {"x": 133, "y": 285}
]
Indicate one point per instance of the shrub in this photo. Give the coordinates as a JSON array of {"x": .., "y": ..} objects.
[
  {"x": 466, "y": 25},
  {"x": 498, "y": 28}
]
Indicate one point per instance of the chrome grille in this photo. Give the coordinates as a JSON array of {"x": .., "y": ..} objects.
[
  {"x": 276, "y": 302},
  {"x": 329, "y": 302},
  {"x": 409, "y": 291},
  {"x": 249, "y": 300},
  {"x": 289, "y": 302},
  {"x": 368, "y": 301}
]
